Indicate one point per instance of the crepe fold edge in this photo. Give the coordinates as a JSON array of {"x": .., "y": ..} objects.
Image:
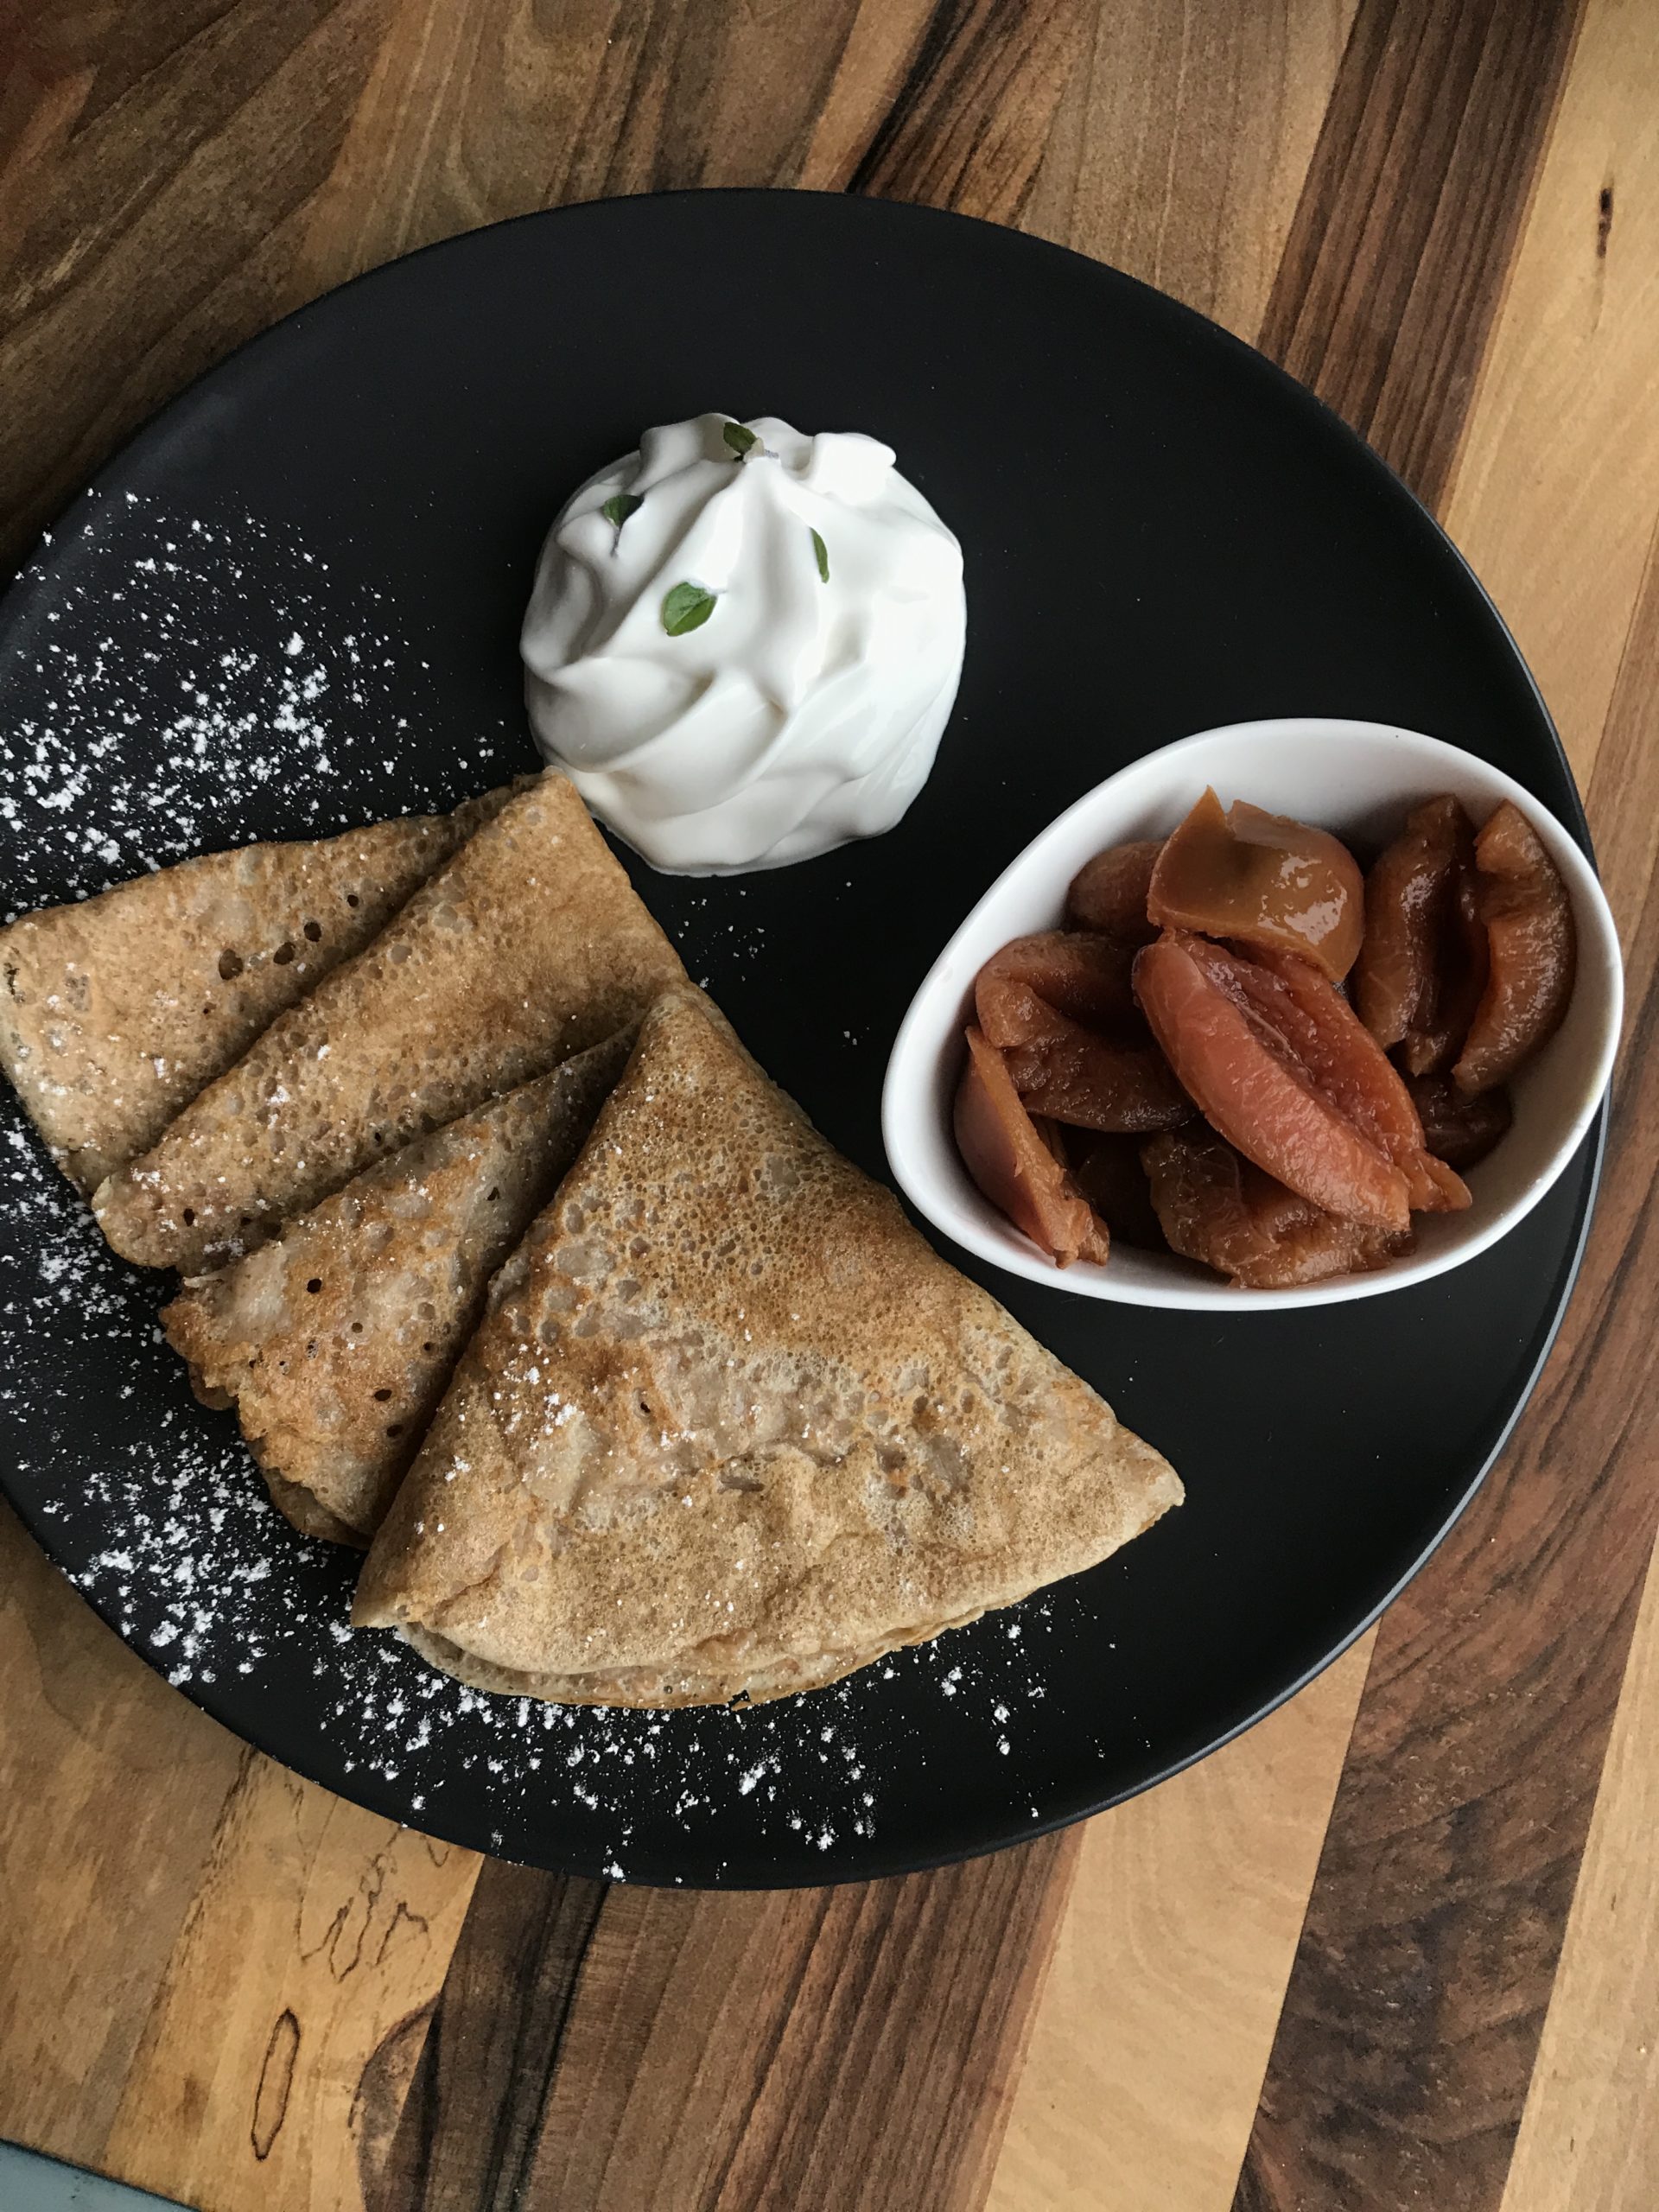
[{"x": 645, "y": 1689}]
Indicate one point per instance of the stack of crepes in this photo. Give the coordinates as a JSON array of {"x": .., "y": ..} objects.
[{"x": 518, "y": 1271}]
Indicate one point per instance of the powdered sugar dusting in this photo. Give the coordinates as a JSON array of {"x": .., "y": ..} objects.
[
  {"x": 174, "y": 701},
  {"x": 170, "y": 1532},
  {"x": 155, "y": 696}
]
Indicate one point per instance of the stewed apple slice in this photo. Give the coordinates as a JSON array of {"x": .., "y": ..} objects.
[
  {"x": 1246, "y": 1080},
  {"x": 1462, "y": 966},
  {"x": 1261, "y": 880},
  {"x": 1078, "y": 974},
  {"x": 1422, "y": 966},
  {"x": 1004, "y": 1151},
  {"x": 1532, "y": 944},
  {"x": 1044, "y": 1001},
  {"x": 1080, "y": 1079},
  {"x": 1410, "y": 895},
  {"x": 1108, "y": 1172},
  {"x": 1108, "y": 894},
  {"x": 1458, "y": 1130},
  {"x": 1215, "y": 1207},
  {"x": 1347, "y": 1064}
]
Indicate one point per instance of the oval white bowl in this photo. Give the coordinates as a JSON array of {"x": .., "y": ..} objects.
[{"x": 1359, "y": 779}]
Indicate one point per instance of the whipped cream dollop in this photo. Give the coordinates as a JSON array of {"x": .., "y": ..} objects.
[{"x": 744, "y": 643}]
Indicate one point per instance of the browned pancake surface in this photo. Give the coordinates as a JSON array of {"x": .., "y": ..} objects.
[
  {"x": 334, "y": 1342},
  {"x": 115, "y": 1012},
  {"x": 529, "y": 945},
  {"x": 730, "y": 1425}
]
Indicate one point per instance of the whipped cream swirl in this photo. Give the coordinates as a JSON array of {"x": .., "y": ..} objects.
[{"x": 743, "y": 643}]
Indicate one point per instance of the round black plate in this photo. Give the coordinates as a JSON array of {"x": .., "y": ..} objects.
[{"x": 292, "y": 604}]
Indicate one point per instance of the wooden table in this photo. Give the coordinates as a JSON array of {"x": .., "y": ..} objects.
[{"x": 1399, "y": 1946}]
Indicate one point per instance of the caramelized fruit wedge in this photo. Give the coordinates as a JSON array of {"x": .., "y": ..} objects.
[
  {"x": 1244, "y": 1078},
  {"x": 1534, "y": 951},
  {"x": 1108, "y": 1172},
  {"x": 1034, "y": 1000},
  {"x": 1264, "y": 880},
  {"x": 1222, "y": 1210},
  {"x": 1308, "y": 1245},
  {"x": 1461, "y": 967},
  {"x": 1005, "y": 1152},
  {"x": 1109, "y": 893},
  {"x": 1194, "y": 1180},
  {"x": 1074, "y": 1077},
  {"x": 1349, "y": 1067},
  {"x": 1077, "y": 974},
  {"x": 1408, "y": 918},
  {"x": 1456, "y": 1129}
]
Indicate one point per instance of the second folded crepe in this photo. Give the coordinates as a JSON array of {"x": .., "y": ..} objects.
[
  {"x": 334, "y": 1343},
  {"x": 730, "y": 1426},
  {"x": 530, "y": 945}
]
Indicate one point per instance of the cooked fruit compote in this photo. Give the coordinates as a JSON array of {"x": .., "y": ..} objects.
[{"x": 1243, "y": 1049}]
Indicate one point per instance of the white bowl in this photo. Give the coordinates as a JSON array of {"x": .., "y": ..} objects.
[{"x": 1359, "y": 779}]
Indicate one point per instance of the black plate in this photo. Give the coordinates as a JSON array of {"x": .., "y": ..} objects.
[{"x": 292, "y": 603}]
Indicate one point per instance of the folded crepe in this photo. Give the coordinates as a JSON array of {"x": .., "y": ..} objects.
[
  {"x": 530, "y": 944},
  {"x": 730, "y": 1427},
  {"x": 115, "y": 1012},
  {"x": 334, "y": 1343}
]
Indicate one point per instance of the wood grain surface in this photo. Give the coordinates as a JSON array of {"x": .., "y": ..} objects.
[
  {"x": 600, "y": 2049},
  {"x": 1341, "y": 1964},
  {"x": 1167, "y": 1975}
]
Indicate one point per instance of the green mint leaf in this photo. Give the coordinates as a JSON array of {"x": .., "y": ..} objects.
[
  {"x": 822, "y": 552},
  {"x": 688, "y": 607},
  {"x": 739, "y": 436},
  {"x": 617, "y": 509}
]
